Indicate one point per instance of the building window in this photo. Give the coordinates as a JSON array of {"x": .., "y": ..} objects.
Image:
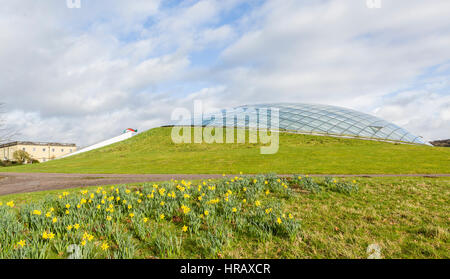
[
  {"x": 34, "y": 148},
  {"x": 62, "y": 150},
  {"x": 24, "y": 149},
  {"x": 70, "y": 150},
  {"x": 53, "y": 150}
]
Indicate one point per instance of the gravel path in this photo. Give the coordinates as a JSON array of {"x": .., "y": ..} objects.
[{"x": 12, "y": 183}]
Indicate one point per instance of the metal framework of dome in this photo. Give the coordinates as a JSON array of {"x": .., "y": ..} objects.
[{"x": 314, "y": 119}]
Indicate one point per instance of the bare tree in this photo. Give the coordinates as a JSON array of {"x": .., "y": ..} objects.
[{"x": 6, "y": 134}]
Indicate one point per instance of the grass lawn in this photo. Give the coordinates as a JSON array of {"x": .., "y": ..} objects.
[
  {"x": 154, "y": 152},
  {"x": 405, "y": 217}
]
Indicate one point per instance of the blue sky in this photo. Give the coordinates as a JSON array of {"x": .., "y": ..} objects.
[{"x": 83, "y": 75}]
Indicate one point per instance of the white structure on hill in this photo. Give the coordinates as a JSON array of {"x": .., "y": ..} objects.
[{"x": 128, "y": 133}]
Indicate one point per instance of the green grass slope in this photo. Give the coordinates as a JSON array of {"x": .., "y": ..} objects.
[{"x": 154, "y": 152}]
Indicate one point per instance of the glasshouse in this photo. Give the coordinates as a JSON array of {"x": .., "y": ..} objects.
[{"x": 309, "y": 119}]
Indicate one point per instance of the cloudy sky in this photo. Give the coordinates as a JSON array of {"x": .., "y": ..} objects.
[{"x": 83, "y": 75}]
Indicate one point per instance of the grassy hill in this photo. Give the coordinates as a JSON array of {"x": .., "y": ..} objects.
[{"x": 154, "y": 152}]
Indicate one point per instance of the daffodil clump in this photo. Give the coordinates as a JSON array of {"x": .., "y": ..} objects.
[
  {"x": 344, "y": 187},
  {"x": 156, "y": 219},
  {"x": 306, "y": 183}
]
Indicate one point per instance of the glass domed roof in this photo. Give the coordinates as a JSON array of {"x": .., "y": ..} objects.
[{"x": 314, "y": 119}]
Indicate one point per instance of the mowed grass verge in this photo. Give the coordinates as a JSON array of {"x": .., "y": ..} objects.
[
  {"x": 405, "y": 217},
  {"x": 154, "y": 152}
]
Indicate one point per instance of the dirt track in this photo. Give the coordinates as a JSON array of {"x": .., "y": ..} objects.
[{"x": 12, "y": 183}]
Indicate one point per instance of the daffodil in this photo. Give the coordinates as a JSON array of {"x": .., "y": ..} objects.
[
  {"x": 162, "y": 216},
  {"x": 185, "y": 209},
  {"x": 184, "y": 229},
  {"x": 87, "y": 236},
  {"x": 162, "y": 191},
  {"x": 46, "y": 235},
  {"x": 105, "y": 246},
  {"x": 21, "y": 243}
]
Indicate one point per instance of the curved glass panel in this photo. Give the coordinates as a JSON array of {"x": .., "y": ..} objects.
[{"x": 313, "y": 118}]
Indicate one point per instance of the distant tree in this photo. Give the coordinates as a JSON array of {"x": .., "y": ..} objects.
[{"x": 21, "y": 156}]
